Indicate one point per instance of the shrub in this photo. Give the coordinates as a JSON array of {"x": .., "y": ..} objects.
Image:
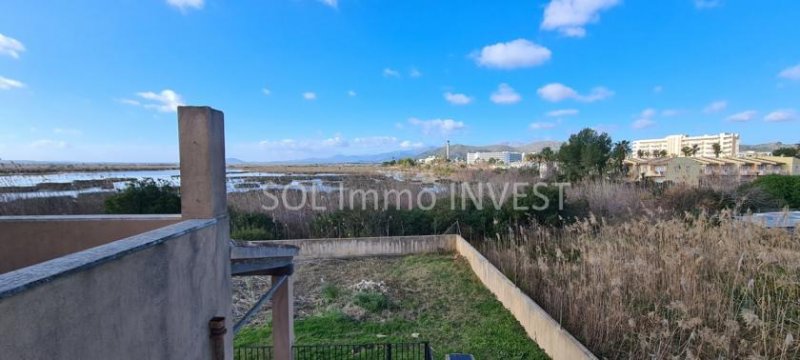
[
  {"x": 785, "y": 188},
  {"x": 372, "y": 301},
  {"x": 254, "y": 226},
  {"x": 145, "y": 196}
]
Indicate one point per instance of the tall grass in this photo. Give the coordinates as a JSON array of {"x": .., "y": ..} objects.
[{"x": 695, "y": 287}]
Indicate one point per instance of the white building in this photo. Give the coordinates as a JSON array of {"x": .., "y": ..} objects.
[
  {"x": 729, "y": 145},
  {"x": 507, "y": 157}
]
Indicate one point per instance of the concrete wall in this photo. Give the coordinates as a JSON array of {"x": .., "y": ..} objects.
[
  {"x": 150, "y": 296},
  {"x": 29, "y": 240},
  {"x": 543, "y": 329},
  {"x": 370, "y": 246},
  {"x": 540, "y": 326}
]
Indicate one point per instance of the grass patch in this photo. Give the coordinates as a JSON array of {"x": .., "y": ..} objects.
[{"x": 433, "y": 298}]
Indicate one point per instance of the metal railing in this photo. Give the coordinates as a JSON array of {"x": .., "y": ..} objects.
[{"x": 401, "y": 351}]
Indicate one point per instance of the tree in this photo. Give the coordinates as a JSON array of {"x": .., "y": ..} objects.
[
  {"x": 786, "y": 151},
  {"x": 695, "y": 149},
  {"x": 620, "y": 153},
  {"x": 640, "y": 153},
  {"x": 663, "y": 153},
  {"x": 585, "y": 154},
  {"x": 687, "y": 151},
  {"x": 647, "y": 153},
  {"x": 717, "y": 149}
]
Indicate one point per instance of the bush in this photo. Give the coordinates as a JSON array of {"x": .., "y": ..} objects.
[
  {"x": 372, "y": 301},
  {"x": 254, "y": 226},
  {"x": 145, "y": 197},
  {"x": 785, "y": 188}
]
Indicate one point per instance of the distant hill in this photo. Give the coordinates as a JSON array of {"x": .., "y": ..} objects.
[
  {"x": 354, "y": 159},
  {"x": 460, "y": 151},
  {"x": 764, "y": 147}
]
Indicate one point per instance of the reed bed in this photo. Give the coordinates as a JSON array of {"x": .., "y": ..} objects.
[{"x": 684, "y": 287}]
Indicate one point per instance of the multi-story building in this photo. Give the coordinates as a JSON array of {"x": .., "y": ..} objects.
[
  {"x": 673, "y": 145},
  {"x": 507, "y": 157},
  {"x": 696, "y": 170}
]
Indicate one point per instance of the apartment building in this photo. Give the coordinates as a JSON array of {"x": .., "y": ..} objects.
[
  {"x": 696, "y": 170},
  {"x": 673, "y": 144},
  {"x": 507, "y": 157}
]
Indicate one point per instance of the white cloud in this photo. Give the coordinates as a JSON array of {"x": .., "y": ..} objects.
[
  {"x": 406, "y": 144},
  {"x": 332, "y": 3},
  {"x": 505, "y": 95},
  {"x": 336, "y": 141},
  {"x": 385, "y": 142},
  {"x": 791, "y": 73},
  {"x": 351, "y": 93},
  {"x": 66, "y": 131},
  {"x": 8, "y": 84},
  {"x": 457, "y": 99},
  {"x": 658, "y": 89},
  {"x": 10, "y": 46},
  {"x": 165, "y": 101},
  {"x": 414, "y": 73},
  {"x": 542, "y": 125},
  {"x": 389, "y": 72},
  {"x": 184, "y": 5},
  {"x": 715, "y": 107},
  {"x": 645, "y": 119},
  {"x": 310, "y": 95},
  {"x": 515, "y": 54},
  {"x": 563, "y": 113},
  {"x": 49, "y": 144},
  {"x": 266, "y": 91},
  {"x": 743, "y": 116},
  {"x": 570, "y": 16},
  {"x": 781, "y": 115},
  {"x": 556, "y": 92},
  {"x": 707, "y": 4},
  {"x": 670, "y": 112},
  {"x": 374, "y": 141},
  {"x": 437, "y": 126}
]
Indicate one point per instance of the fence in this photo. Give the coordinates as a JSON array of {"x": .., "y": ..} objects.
[{"x": 402, "y": 351}]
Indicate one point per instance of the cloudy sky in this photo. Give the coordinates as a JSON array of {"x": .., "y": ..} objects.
[{"x": 99, "y": 80}]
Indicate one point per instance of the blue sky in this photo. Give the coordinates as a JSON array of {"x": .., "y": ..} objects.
[{"x": 96, "y": 80}]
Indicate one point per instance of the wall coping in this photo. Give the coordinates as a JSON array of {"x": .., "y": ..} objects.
[
  {"x": 102, "y": 217},
  {"x": 20, "y": 280}
]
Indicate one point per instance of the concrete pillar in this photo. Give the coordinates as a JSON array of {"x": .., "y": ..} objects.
[
  {"x": 202, "y": 152},
  {"x": 283, "y": 319}
]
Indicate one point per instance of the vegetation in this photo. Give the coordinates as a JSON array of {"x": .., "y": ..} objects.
[
  {"x": 787, "y": 151},
  {"x": 585, "y": 155},
  {"x": 254, "y": 226},
  {"x": 785, "y": 188},
  {"x": 145, "y": 197},
  {"x": 405, "y": 162},
  {"x": 432, "y": 298},
  {"x": 682, "y": 287}
]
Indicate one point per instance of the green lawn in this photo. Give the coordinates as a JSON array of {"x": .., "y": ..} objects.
[{"x": 433, "y": 298}]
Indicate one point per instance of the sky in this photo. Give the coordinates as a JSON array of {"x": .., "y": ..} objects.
[{"x": 98, "y": 80}]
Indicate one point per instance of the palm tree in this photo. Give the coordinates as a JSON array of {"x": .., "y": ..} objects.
[
  {"x": 695, "y": 149},
  {"x": 717, "y": 149},
  {"x": 687, "y": 151},
  {"x": 620, "y": 152}
]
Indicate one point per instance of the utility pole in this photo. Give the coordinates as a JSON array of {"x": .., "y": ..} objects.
[{"x": 447, "y": 151}]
